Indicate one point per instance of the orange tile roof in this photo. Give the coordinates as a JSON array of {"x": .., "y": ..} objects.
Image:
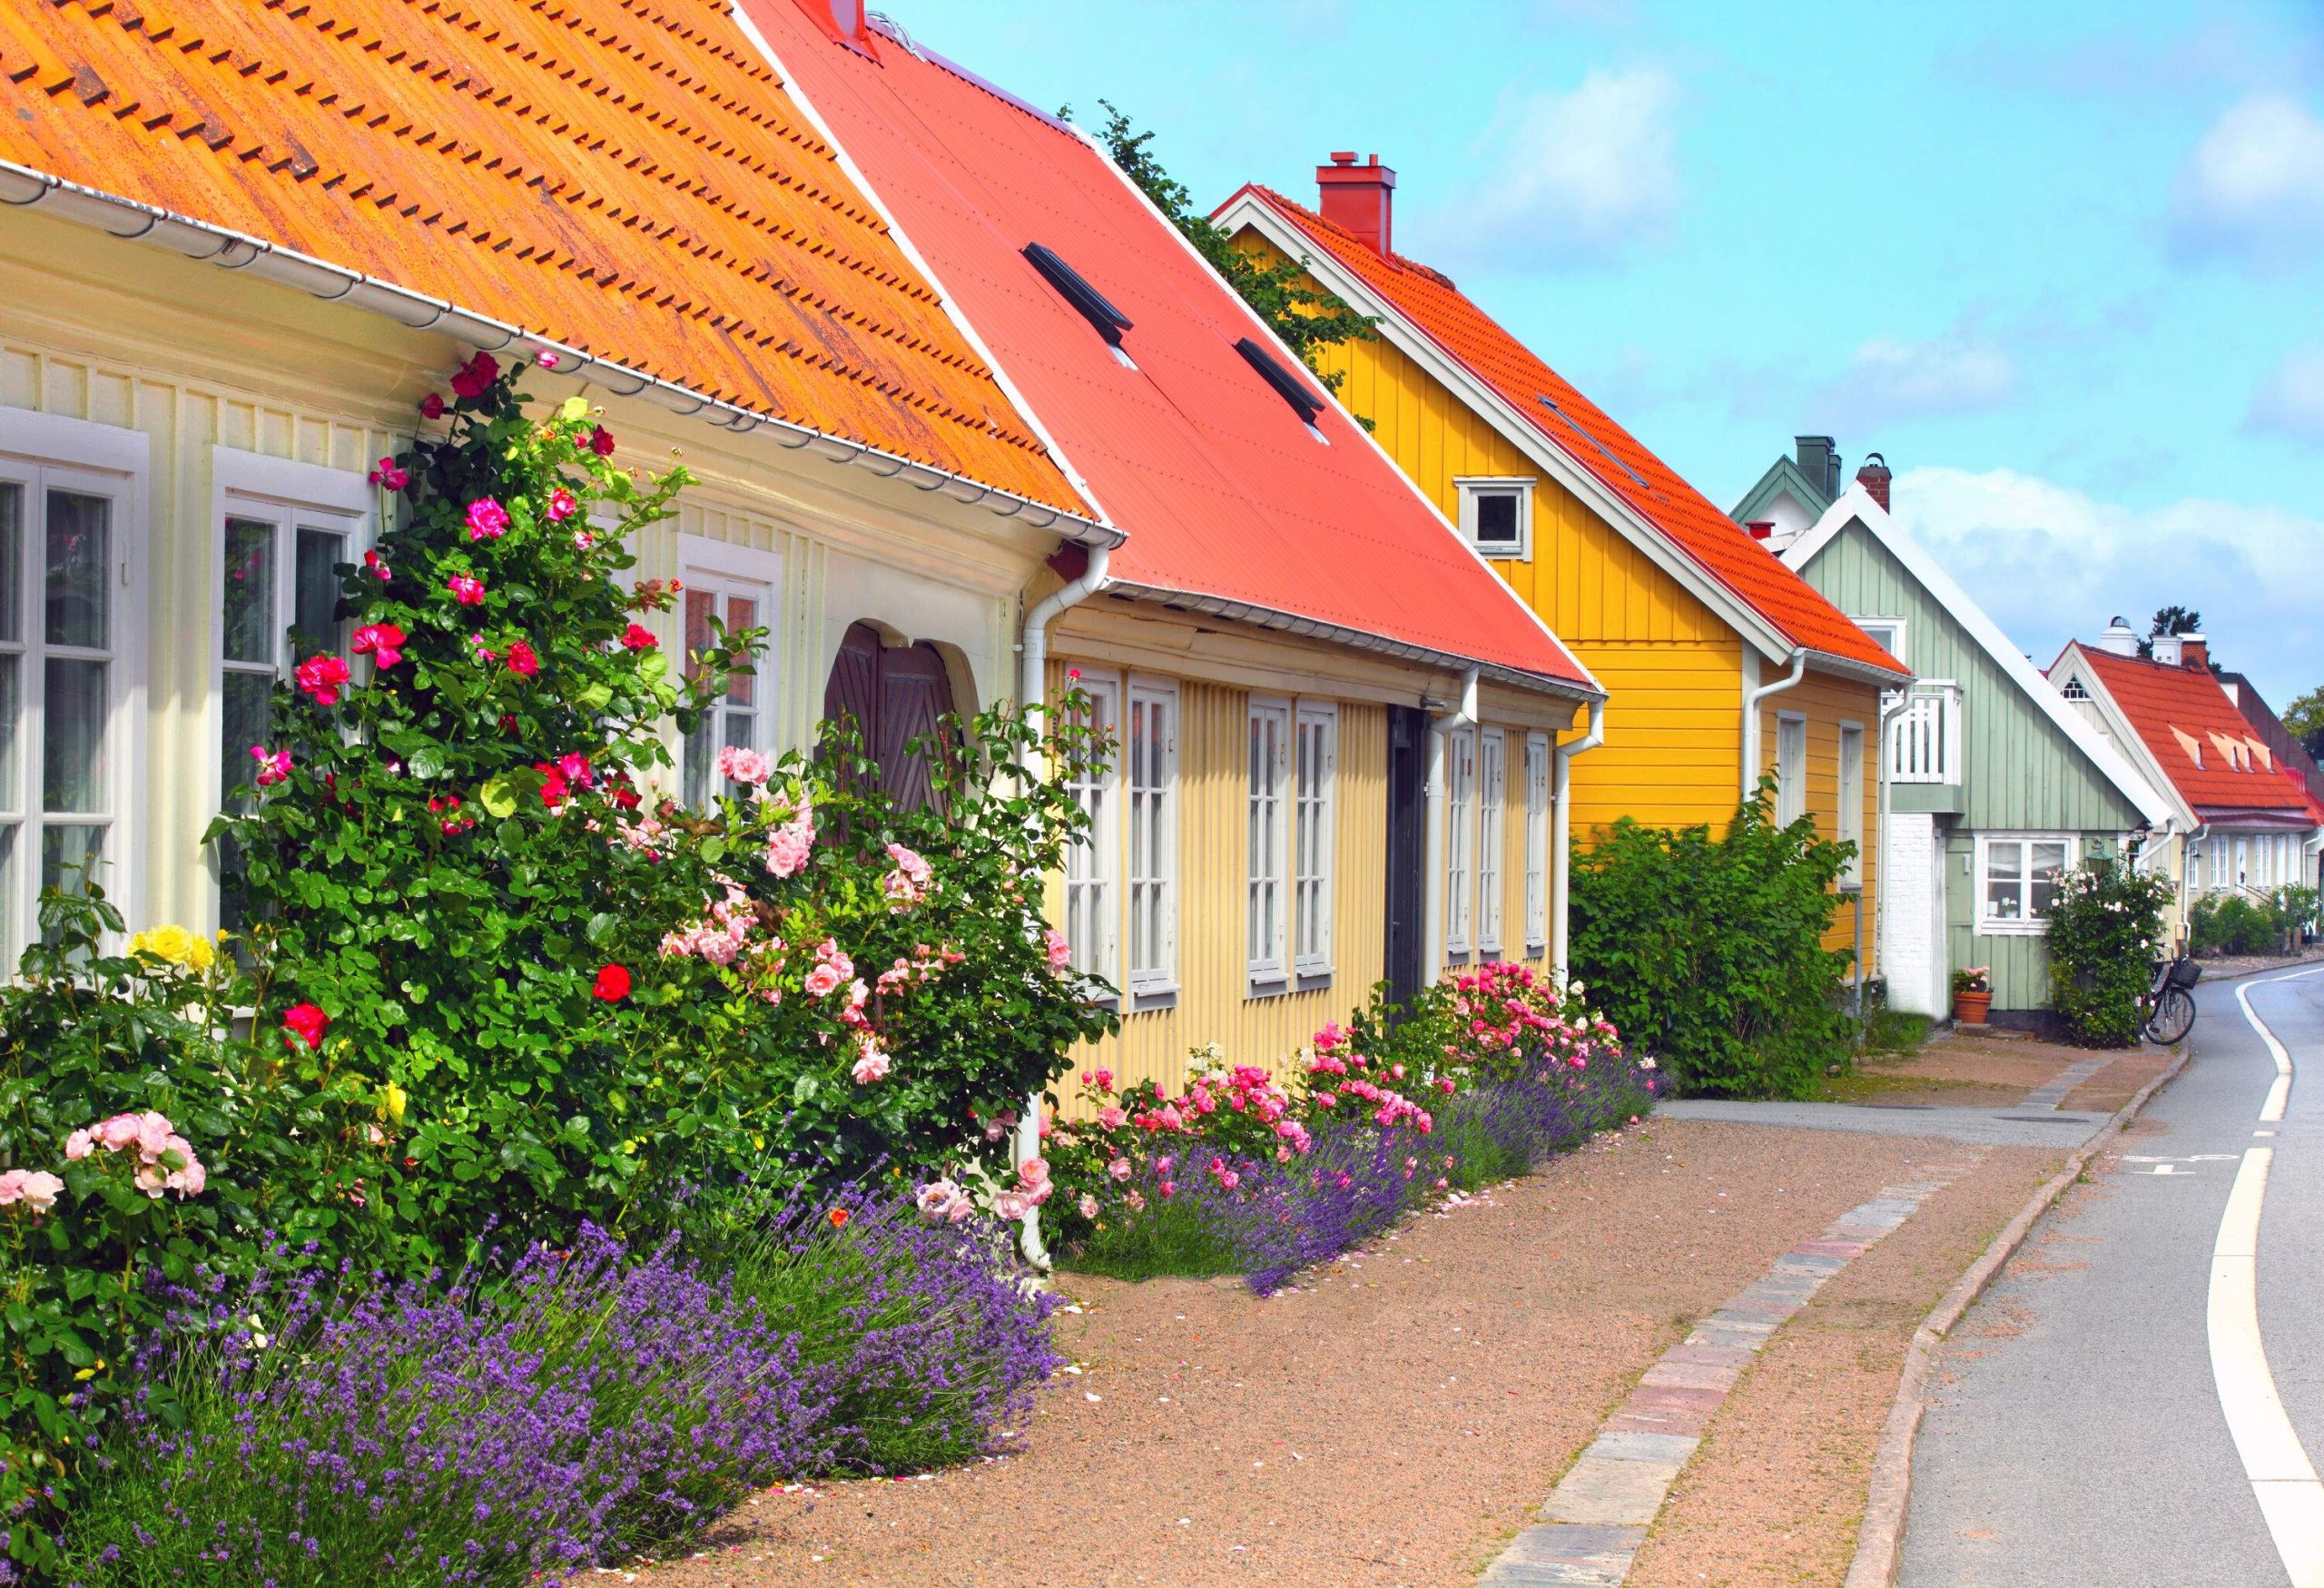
[
  {"x": 2172, "y": 708},
  {"x": 1435, "y": 308},
  {"x": 623, "y": 176}
]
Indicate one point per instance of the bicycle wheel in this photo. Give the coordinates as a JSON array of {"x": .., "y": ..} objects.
[{"x": 2173, "y": 1017}]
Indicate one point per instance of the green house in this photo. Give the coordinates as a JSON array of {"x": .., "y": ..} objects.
[{"x": 1991, "y": 782}]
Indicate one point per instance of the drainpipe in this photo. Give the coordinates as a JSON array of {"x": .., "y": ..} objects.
[
  {"x": 1888, "y": 715},
  {"x": 2187, "y": 881},
  {"x": 1033, "y": 691},
  {"x": 1751, "y": 700},
  {"x": 1439, "y": 726},
  {"x": 1561, "y": 835}
]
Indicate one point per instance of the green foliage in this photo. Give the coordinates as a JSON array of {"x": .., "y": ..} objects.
[
  {"x": 2304, "y": 720},
  {"x": 1708, "y": 951},
  {"x": 2105, "y": 931},
  {"x": 2233, "y": 923},
  {"x": 1180, "y": 1238}
]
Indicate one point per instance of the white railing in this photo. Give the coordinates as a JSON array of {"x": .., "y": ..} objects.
[{"x": 1925, "y": 741}]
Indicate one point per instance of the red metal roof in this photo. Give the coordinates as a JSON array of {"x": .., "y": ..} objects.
[
  {"x": 2163, "y": 703},
  {"x": 1437, "y": 310},
  {"x": 1220, "y": 486},
  {"x": 623, "y": 176}
]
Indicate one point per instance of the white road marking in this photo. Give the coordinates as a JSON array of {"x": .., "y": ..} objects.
[{"x": 2271, "y": 1113}]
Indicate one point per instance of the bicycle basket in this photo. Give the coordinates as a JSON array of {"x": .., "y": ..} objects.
[{"x": 2185, "y": 972}]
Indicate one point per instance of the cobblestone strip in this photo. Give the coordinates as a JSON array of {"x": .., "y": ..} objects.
[
  {"x": 2053, "y": 1096},
  {"x": 1590, "y": 1529}
]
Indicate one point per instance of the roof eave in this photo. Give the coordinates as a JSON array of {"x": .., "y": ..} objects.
[{"x": 1850, "y": 667}]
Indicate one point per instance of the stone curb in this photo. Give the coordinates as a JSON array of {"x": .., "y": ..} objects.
[{"x": 1880, "y": 1540}]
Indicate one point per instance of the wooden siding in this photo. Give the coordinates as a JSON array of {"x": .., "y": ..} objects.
[{"x": 1827, "y": 702}]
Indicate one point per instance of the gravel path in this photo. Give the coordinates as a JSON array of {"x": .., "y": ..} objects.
[{"x": 1397, "y": 1422}]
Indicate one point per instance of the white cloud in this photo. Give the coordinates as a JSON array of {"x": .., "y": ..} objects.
[
  {"x": 1888, "y": 379},
  {"x": 2051, "y": 563},
  {"x": 1575, "y": 178},
  {"x": 2253, "y": 185},
  {"x": 2290, "y": 401}
]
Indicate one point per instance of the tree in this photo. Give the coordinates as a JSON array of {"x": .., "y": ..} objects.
[
  {"x": 2304, "y": 720},
  {"x": 2170, "y": 620}
]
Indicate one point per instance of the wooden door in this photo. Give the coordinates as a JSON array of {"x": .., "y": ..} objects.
[{"x": 893, "y": 696}]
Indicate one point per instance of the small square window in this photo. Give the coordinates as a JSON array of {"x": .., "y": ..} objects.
[
  {"x": 1497, "y": 518},
  {"x": 1496, "y": 515}
]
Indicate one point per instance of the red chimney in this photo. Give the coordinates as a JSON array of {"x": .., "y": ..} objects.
[
  {"x": 1761, "y": 528},
  {"x": 1874, "y": 477},
  {"x": 2194, "y": 653},
  {"x": 1360, "y": 198}
]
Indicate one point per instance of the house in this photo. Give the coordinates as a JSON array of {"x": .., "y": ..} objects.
[
  {"x": 241, "y": 246},
  {"x": 2242, "y": 820},
  {"x": 1991, "y": 781},
  {"x": 1289, "y": 638},
  {"x": 1723, "y": 663}
]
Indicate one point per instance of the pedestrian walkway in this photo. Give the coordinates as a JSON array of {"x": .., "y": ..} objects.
[{"x": 2016, "y": 1126}]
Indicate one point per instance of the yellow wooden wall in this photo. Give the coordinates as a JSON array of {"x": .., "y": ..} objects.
[{"x": 1827, "y": 702}]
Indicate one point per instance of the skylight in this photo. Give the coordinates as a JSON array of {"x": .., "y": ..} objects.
[
  {"x": 1107, "y": 320},
  {"x": 1287, "y": 386},
  {"x": 1594, "y": 441}
]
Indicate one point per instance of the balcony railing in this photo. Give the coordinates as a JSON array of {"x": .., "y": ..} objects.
[{"x": 1925, "y": 741}]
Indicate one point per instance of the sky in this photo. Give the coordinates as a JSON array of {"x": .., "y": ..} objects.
[{"x": 2063, "y": 264}]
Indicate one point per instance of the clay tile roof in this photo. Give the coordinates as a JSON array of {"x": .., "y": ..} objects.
[
  {"x": 624, "y": 176},
  {"x": 1223, "y": 491},
  {"x": 1434, "y": 306},
  {"x": 2179, "y": 712}
]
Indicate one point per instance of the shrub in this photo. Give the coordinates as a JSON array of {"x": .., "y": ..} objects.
[
  {"x": 1708, "y": 951},
  {"x": 2228, "y": 924},
  {"x": 2105, "y": 931}
]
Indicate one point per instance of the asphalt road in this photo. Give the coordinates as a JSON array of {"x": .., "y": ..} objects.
[{"x": 2077, "y": 1434}]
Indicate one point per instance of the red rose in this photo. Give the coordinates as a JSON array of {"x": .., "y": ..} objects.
[
  {"x": 432, "y": 406},
  {"x": 601, "y": 442},
  {"x": 476, "y": 376},
  {"x": 613, "y": 984},
  {"x": 521, "y": 659},
  {"x": 306, "y": 1022},
  {"x": 638, "y": 637}
]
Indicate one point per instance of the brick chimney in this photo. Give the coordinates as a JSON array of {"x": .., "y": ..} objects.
[
  {"x": 2194, "y": 653},
  {"x": 1360, "y": 198},
  {"x": 1874, "y": 477}
]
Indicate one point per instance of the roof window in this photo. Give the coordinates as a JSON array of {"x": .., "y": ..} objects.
[
  {"x": 1287, "y": 386},
  {"x": 1107, "y": 320},
  {"x": 1636, "y": 477}
]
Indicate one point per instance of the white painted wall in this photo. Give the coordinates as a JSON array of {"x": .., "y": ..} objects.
[{"x": 1912, "y": 928}]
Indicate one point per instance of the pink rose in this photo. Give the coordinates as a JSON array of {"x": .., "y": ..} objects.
[
  {"x": 40, "y": 1191},
  {"x": 742, "y": 766},
  {"x": 822, "y": 981},
  {"x": 789, "y": 846},
  {"x": 1033, "y": 1171},
  {"x": 1088, "y": 1205},
  {"x": 79, "y": 1145},
  {"x": 873, "y": 1065},
  {"x": 274, "y": 766},
  {"x": 1120, "y": 1168},
  {"x": 11, "y": 1187},
  {"x": 118, "y": 1132},
  {"x": 561, "y": 505},
  {"x": 1060, "y": 953},
  {"x": 487, "y": 519},
  {"x": 466, "y": 591},
  {"x": 1011, "y": 1206},
  {"x": 1111, "y": 1117}
]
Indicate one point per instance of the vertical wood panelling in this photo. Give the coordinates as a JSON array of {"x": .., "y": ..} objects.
[{"x": 1827, "y": 702}]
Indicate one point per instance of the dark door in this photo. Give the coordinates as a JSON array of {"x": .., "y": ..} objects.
[
  {"x": 893, "y": 696},
  {"x": 1407, "y": 849}
]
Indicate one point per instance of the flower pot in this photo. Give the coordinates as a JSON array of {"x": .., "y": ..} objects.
[{"x": 1969, "y": 1008}]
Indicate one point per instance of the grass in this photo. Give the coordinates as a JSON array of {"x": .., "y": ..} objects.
[{"x": 1170, "y": 1238}]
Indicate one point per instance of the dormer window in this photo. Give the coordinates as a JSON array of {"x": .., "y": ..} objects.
[
  {"x": 1107, "y": 320},
  {"x": 1287, "y": 386},
  {"x": 2074, "y": 691},
  {"x": 1497, "y": 515}
]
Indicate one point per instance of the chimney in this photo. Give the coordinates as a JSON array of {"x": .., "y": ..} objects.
[
  {"x": 843, "y": 19},
  {"x": 1761, "y": 528},
  {"x": 1874, "y": 477},
  {"x": 2168, "y": 649},
  {"x": 1360, "y": 198},
  {"x": 2194, "y": 653},
  {"x": 2120, "y": 639},
  {"x": 1819, "y": 460}
]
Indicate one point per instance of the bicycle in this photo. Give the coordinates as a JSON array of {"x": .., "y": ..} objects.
[{"x": 2168, "y": 1005}]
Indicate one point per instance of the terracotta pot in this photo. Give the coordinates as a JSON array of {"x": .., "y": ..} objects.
[{"x": 1969, "y": 1008}]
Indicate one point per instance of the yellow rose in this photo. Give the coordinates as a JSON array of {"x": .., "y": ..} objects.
[
  {"x": 394, "y": 1097},
  {"x": 172, "y": 943},
  {"x": 200, "y": 954}
]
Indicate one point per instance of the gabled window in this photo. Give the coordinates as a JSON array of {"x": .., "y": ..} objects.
[
  {"x": 1850, "y": 826},
  {"x": 1268, "y": 883},
  {"x": 738, "y": 587},
  {"x": 1093, "y": 863},
  {"x": 1287, "y": 386},
  {"x": 1791, "y": 769},
  {"x": 1497, "y": 515},
  {"x": 1150, "y": 761},
  {"x": 2074, "y": 691},
  {"x": 1537, "y": 840},
  {"x": 1107, "y": 320},
  {"x": 1493, "y": 828},
  {"x": 1314, "y": 780},
  {"x": 1459, "y": 840}
]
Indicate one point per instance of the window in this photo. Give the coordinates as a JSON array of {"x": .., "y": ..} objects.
[
  {"x": 1850, "y": 826},
  {"x": 1264, "y": 912},
  {"x": 1093, "y": 864},
  {"x": 1791, "y": 769},
  {"x": 1493, "y": 828},
  {"x": 1460, "y": 837},
  {"x": 2074, "y": 691},
  {"x": 2242, "y": 862},
  {"x": 736, "y": 588},
  {"x": 2017, "y": 878},
  {"x": 1888, "y": 633},
  {"x": 1537, "y": 842},
  {"x": 1314, "y": 775},
  {"x": 1150, "y": 761},
  {"x": 1497, "y": 515}
]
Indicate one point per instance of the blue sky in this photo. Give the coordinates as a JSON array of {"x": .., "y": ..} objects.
[{"x": 2064, "y": 264}]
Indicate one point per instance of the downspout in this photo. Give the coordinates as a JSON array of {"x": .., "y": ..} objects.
[
  {"x": 1751, "y": 700},
  {"x": 2201, "y": 831},
  {"x": 1888, "y": 715},
  {"x": 1032, "y": 691},
  {"x": 1439, "y": 726},
  {"x": 1561, "y": 835}
]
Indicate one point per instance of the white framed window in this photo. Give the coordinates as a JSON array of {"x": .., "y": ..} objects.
[
  {"x": 282, "y": 531},
  {"x": 740, "y": 586},
  {"x": 2242, "y": 862},
  {"x": 1537, "y": 842},
  {"x": 1497, "y": 514},
  {"x": 1150, "y": 762},
  {"x": 1849, "y": 828},
  {"x": 1492, "y": 829},
  {"x": 1459, "y": 840},
  {"x": 1888, "y": 633},
  {"x": 2017, "y": 879},
  {"x": 71, "y": 622},
  {"x": 1315, "y": 788},
  {"x": 1791, "y": 768},
  {"x": 1093, "y": 863},
  {"x": 1267, "y": 912}
]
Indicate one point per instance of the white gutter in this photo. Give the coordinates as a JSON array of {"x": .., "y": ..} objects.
[
  {"x": 1463, "y": 715},
  {"x": 25, "y": 187},
  {"x": 1751, "y": 699},
  {"x": 1033, "y": 691},
  {"x": 1561, "y": 839}
]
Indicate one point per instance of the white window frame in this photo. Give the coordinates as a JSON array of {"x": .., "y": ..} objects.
[
  {"x": 1791, "y": 781},
  {"x": 2030, "y": 924},
  {"x": 1493, "y": 837},
  {"x": 1093, "y": 863},
  {"x": 726, "y": 568},
  {"x": 1266, "y": 849},
  {"x": 39, "y": 450},
  {"x": 1150, "y": 801},
  {"x": 1315, "y": 731},
  {"x": 1848, "y": 820},
  {"x": 1875, "y": 627},
  {"x": 1522, "y": 486},
  {"x": 1537, "y": 842},
  {"x": 1460, "y": 841}
]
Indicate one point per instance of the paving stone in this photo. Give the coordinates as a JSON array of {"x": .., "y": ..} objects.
[
  {"x": 1828, "y": 1247},
  {"x": 1672, "y": 1397},
  {"x": 1749, "y": 1309},
  {"x": 1799, "y": 1262},
  {"x": 1672, "y": 1450},
  {"x": 1564, "y": 1544},
  {"x": 1688, "y": 1375},
  {"x": 1687, "y": 1350},
  {"x": 1620, "y": 1492},
  {"x": 1627, "y": 1421},
  {"x": 1509, "y": 1574}
]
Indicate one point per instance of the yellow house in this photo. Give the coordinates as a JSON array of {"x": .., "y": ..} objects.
[{"x": 1721, "y": 662}]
